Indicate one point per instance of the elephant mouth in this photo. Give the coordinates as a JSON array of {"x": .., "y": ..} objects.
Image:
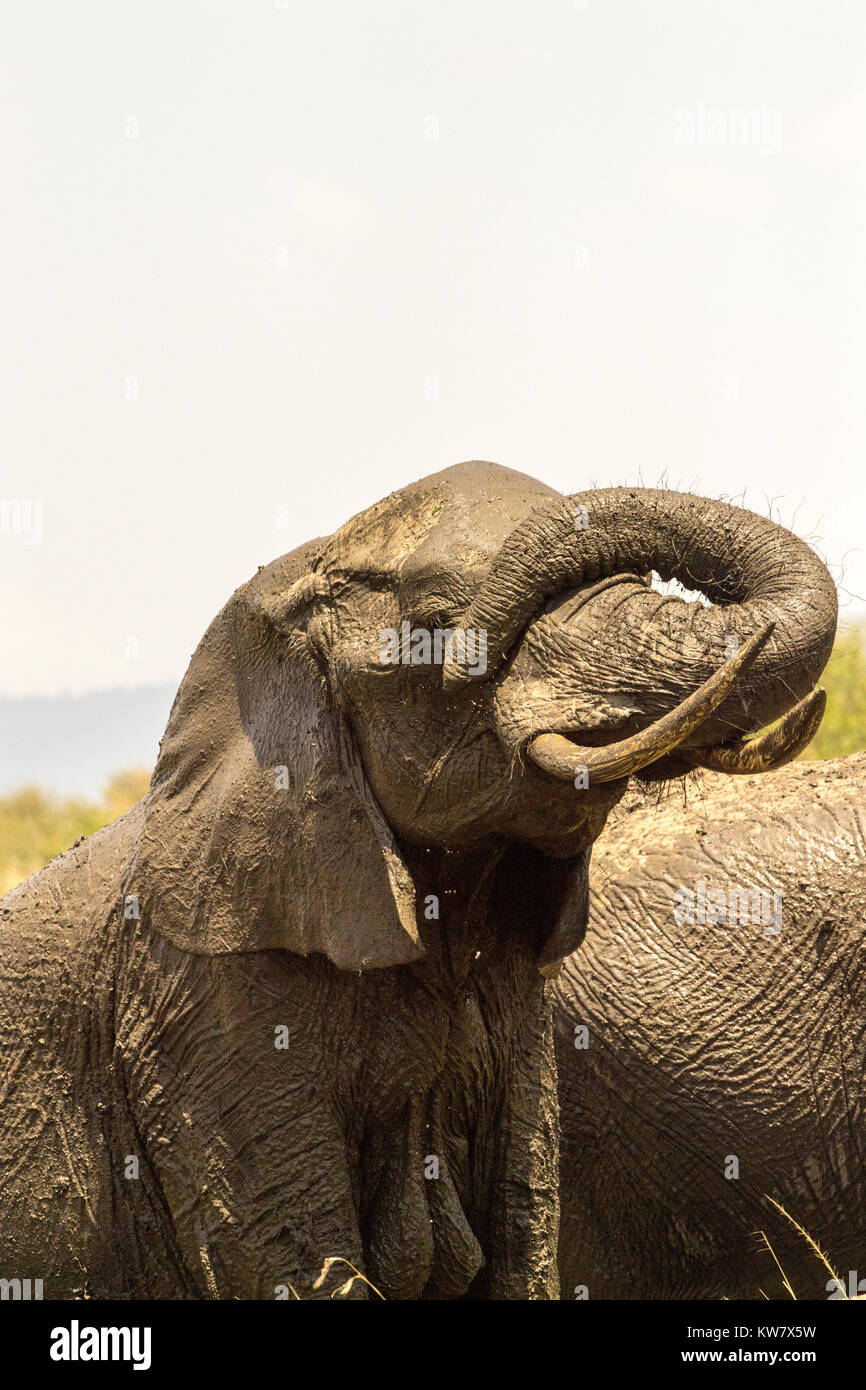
[{"x": 656, "y": 751}]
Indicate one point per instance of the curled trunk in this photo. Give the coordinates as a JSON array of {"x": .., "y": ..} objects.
[{"x": 753, "y": 571}]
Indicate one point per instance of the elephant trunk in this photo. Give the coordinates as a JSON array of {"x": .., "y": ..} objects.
[{"x": 761, "y": 578}]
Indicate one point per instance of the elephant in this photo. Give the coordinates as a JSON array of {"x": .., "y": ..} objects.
[
  {"x": 285, "y": 1028},
  {"x": 711, "y": 1043}
]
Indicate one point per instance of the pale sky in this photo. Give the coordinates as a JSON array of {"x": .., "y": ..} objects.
[{"x": 258, "y": 256}]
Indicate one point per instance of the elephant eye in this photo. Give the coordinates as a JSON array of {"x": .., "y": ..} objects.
[
  {"x": 422, "y": 638},
  {"x": 444, "y": 617}
]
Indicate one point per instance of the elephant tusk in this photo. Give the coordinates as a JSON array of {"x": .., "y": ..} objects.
[
  {"x": 558, "y": 756},
  {"x": 781, "y": 745}
]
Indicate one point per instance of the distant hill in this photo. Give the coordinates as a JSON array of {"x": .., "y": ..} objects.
[{"x": 71, "y": 745}]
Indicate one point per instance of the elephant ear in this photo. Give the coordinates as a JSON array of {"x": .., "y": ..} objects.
[{"x": 260, "y": 830}]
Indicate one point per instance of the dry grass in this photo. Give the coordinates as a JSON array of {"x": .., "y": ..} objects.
[{"x": 813, "y": 1246}]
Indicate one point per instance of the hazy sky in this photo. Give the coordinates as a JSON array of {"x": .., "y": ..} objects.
[{"x": 259, "y": 256}]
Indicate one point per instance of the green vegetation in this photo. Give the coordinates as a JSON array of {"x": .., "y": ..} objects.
[
  {"x": 843, "y": 729},
  {"x": 35, "y": 827}
]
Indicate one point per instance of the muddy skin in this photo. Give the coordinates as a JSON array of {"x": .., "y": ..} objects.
[
  {"x": 719, "y": 1039},
  {"x": 297, "y": 1003}
]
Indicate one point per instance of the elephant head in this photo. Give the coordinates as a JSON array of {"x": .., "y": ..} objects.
[{"x": 323, "y": 727}]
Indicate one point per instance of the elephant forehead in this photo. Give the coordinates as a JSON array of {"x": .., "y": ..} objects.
[
  {"x": 465, "y": 539},
  {"x": 452, "y": 521},
  {"x": 477, "y": 507}
]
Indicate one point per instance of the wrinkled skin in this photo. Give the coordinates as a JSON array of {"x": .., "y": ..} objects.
[
  {"x": 293, "y": 1005},
  {"x": 713, "y": 1040}
]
